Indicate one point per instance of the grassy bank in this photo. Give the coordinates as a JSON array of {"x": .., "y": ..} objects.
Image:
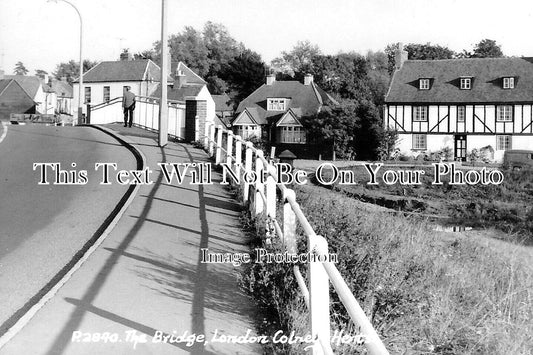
[
  {"x": 425, "y": 291},
  {"x": 508, "y": 207}
]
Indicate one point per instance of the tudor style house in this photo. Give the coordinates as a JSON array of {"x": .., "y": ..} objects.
[
  {"x": 461, "y": 104},
  {"x": 273, "y": 112}
]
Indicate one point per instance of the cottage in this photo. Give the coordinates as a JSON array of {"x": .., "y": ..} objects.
[
  {"x": 461, "y": 104},
  {"x": 106, "y": 80},
  {"x": 223, "y": 110},
  {"x": 64, "y": 95},
  {"x": 33, "y": 86},
  {"x": 273, "y": 112}
]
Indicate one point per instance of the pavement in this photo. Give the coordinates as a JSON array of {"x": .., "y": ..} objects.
[{"x": 145, "y": 282}]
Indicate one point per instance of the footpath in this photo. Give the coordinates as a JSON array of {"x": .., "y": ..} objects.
[{"x": 145, "y": 282}]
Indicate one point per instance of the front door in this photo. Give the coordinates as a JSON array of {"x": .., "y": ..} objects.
[{"x": 460, "y": 147}]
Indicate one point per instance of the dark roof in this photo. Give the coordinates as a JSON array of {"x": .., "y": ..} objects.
[
  {"x": 487, "y": 78},
  {"x": 62, "y": 88},
  {"x": 4, "y": 84},
  {"x": 192, "y": 77},
  {"x": 222, "y": 102},
  {"x": 307, "y": 98},
  {"x": 30, "y": 84},
  {"x": 122, "y": 70},
  {"x": 179, "y": 94},
  {"x": 222, "y": 121}
]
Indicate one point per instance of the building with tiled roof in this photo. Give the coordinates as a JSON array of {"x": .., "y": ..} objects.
[
  {"x": 107, "y": 80},
  {"x": 273, "y": 111},
  {"x": 223, "y": 109},
  {"x": 33, "y": 86},
  {"x": 64, "y": 94},
  {"x": 461, "y": 104},
  {"x": 14, "y": 99}
]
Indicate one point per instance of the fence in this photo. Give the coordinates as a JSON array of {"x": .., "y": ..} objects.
[
  {"x": 145, "y": 115},
  {"x": 262, "y": 197}
]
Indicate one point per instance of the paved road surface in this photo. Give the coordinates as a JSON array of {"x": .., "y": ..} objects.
[{"x": 43, "y": 226}]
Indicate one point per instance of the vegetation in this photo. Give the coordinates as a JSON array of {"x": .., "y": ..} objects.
[
  {"x": 424, "y": 291},
  {"x": 20, "y": 69},
  {"x": 71, "y": 69}
]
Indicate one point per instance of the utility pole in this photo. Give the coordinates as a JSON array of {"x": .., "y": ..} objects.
[{"x": 163, "y": 104}]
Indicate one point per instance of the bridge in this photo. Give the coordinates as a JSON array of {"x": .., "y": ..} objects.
[{"x": 139, "y": 281}]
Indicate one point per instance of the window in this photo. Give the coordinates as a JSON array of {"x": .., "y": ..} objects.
[
  {"x": 508, "y": 83},
  {"x": 466, "y": 83},
  {"x": 504, "y": 113},
  {"x": 420, "y": 113},
  {"x": 248, "y": 131},
  {"x": 107, "y": 93},
  {"x": 424, "y": 84},
  {"x": 292, "y": 134},
  {"x": 461, "y": 113},
  {"x": 276, "y": 104},
  {"x": 503, "y": 142},
  {"x": 87, "y": 95},
  {"x": 419, "y": 141}
]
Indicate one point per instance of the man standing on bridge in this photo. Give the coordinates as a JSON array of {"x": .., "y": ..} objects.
[{"x": 128, "y": 103}]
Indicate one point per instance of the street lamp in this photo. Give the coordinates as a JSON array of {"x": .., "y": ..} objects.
[{"x": 81, "y": 62}]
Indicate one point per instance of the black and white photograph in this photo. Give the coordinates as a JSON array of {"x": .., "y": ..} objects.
[{"x": 289, "y": 177}]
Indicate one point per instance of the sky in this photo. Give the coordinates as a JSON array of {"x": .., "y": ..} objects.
[{"x": 43, "y": 34}]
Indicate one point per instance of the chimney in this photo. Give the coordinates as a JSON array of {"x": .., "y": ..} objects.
[
  {"x": 270, "y": 78},
  {"x": 126, "y": 55},
  {"x": 180, "y": 79},
  {"x": 308, "y": 79},
  {"x": 400, "y": 56}
]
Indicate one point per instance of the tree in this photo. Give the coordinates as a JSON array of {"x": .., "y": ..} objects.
[
  {"x": 298, "y": 61},
  {"x": 71, "y": 69},
  {"x": 426, "y": 51},
  {"x": 20, "y": 69},
  {"x": 146, "y": 54},
  {"x": 343, "y": 75},
  {"x": 244, "y": 74},
  {"x": 487, "y": 48},
  {"x": 41, "y": 73},
  {"x": 334, "y": 126}
]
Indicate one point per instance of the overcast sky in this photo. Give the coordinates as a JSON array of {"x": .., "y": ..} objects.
[{"x": 42, "y": 34}]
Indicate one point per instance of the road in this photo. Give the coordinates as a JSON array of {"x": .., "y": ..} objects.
[{"x": 43, "y": 226}]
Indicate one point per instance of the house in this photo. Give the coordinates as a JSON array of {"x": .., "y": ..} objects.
[
  {"x": 223, "y": 110},
  {"x": 461, "y": 105},
  {"x": 273, "y": 113},
  {"x": 14, "y": 99},
  {"x": 106, "y": 80},
  {"x": 33, "y": 86},
  {"x": 189, "y": 88},
  {"x": 64, "y": 95}
]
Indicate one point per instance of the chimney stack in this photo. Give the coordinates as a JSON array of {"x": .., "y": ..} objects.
[
  {"x": 126, "y": 55},
  {"x": 400, "y": 56},
  {"x": 270, "y": 79},
  {"x": 180, "y": 79},
  {"x": 308, "y": 79}
]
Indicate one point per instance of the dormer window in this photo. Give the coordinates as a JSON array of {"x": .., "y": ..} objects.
[
  {"x": 277, "y": 104},
  {"x": 466, "y": 83},
  {"x": 508, "y": 83},
  {"x": 423, "y": 84}
]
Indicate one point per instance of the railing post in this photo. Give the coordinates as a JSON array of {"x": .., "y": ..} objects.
[
  {"x": 289, "y": 222},
  {"x": 218, "y": 157},
  {"x": 211, "y": 138},
  {"x": 238, "y": 155},
  {"x": 229, "y": 149},
  {"x": 270, "y": 193},
  {"x": 247, "y": 168},
  {"x": 319, "y": 295},
  {"x": 259, "y": 186}
]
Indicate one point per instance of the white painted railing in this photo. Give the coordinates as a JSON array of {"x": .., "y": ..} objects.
[
  {"x": 145, "y": 115},
  {"x": 261, "y": 198}
]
